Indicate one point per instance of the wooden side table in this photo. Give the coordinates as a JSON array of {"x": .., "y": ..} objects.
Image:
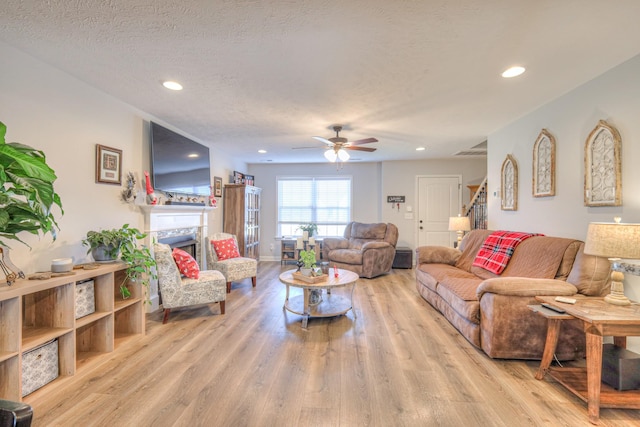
[{"x": 599, "y": 319}]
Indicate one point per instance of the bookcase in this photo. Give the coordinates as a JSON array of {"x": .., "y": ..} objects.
[
  {"x": 241, "y": 217},
  {"x": 289, "y": 253},
  {"x": 34, "y": 312}
]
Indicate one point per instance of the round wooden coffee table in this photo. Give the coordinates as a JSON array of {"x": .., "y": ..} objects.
[{"x": 329, "y": 304}]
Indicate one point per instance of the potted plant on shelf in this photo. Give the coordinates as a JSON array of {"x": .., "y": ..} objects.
[
  {"x": 26, "y": 195},
  {"x": 106, "y": 245},
  {"x": 311, "y": 228}
]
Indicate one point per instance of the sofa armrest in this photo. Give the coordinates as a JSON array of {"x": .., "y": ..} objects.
[
  {"x": 331, "y": 243},
  {"x": 437, "y": 255},
  {"x": 525, "y": 287},
  {"x": 376, "y": 245}
]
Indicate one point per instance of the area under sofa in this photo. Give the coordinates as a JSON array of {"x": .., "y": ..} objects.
[{"x": 491, "y": 311}]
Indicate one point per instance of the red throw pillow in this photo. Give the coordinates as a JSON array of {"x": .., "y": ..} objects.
[
  {"x": 226, "y": 249},
  {"x": 186, "y": 264}
]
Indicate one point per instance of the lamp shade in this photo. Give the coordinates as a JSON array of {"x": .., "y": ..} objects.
[
  {"x": 613, "y": 240},
  {"x": 343, "y": 155},
  {"x": 330, "y": 155},
  {"x": 459, "y": 223}
]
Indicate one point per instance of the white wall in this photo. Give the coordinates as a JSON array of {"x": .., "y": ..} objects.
[
  {"x": 62, "y": 116},
  {"x": 614, "y": 97},
  {"x": 399, "y": 179},
  {"x": 372, "y": 183}
]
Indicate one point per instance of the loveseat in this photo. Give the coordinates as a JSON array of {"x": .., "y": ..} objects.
[
  {"x": 490, "y": 310},
  {"x": 366, "y": 249}
]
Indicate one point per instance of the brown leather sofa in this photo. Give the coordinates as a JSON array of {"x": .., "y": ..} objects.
[
  {"x": 491, "y": 311},
  {"x": 366, "y": 249}
]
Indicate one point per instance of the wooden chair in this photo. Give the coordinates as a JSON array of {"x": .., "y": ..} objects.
[
  {"x": 232, "y": 269},
  {"x": 178, "y": 291}
]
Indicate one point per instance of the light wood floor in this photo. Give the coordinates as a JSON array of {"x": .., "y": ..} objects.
[{"x": 399, "y": 363}]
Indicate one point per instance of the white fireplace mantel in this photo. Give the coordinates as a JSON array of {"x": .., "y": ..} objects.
[{"x": 163, "y": 218}]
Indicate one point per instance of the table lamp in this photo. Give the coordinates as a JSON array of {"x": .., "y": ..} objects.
[
  {"x": 614, "y": 241},
  {"x": 459, "y": 224}
]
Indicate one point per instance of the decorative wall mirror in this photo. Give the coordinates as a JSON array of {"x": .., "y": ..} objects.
[
  {"x": 544, "y": 165},
  {"x": 509, "y": 184},
  {"x": 602, "y": 167}
]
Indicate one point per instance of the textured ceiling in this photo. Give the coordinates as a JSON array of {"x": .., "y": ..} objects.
[{"x": 271, "y": 74}]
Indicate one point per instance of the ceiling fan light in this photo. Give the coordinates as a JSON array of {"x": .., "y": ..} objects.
[
  {"x": 343, "y": 155},
  {"x": 330, "y": 155}
]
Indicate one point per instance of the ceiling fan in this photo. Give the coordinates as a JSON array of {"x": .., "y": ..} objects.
[{"x": 337, "y": 145}]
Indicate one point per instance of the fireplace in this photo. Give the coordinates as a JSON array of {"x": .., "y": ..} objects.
[
  {"x": 183, "y": 227},
  {"x": 187, "y": 239}
]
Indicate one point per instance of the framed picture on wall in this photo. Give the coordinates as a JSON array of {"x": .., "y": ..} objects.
[
  {"x": 217, "y": 186},
  {"x": 108, "y": 165},
  {"x": 603, "y": 167},
  {"x": 509, "y": 184},
  {"x": 544, "y": 165}
]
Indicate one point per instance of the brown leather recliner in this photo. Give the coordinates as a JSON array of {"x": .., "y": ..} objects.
[{"x": 366, "y": 249}]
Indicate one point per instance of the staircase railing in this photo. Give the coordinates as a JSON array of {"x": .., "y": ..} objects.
[{"x": 477, "y": 210}]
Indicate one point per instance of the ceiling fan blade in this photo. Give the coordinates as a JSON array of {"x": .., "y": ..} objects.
[
  {"x": 360, "y": 148},
  {"x": 363, "y": 141},
  {"x": 325, "y": 140}
]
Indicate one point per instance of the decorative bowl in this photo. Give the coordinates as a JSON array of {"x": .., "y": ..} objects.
[{"x": 61, "y": 265}]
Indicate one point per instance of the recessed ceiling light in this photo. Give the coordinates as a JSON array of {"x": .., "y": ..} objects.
[
  {"x": 262, "y": 151},
  {"x": 193, "y": 155},
  {"x": 172, "y": 85},
  {"x": 513, "y": 71},
  {"x": 420, "y": 149}
]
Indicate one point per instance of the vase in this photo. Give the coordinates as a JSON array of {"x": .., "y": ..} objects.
[
  {"x": 102, "y": 253},
  {"x": 315, "y": 297}
]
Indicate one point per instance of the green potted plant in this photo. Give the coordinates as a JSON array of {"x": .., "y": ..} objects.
[
  {"x": 307, "y": 262},
  {"x": 311, "y": 228},
  {"x": 108, "y": 244},
  {"x": 26, "y": 193}
]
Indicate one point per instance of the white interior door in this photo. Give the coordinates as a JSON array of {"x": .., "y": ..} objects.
[{"x": 439, "y": 197}]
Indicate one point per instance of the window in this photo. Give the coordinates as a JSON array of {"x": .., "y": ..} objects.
[{"x": 323, "y": 200}]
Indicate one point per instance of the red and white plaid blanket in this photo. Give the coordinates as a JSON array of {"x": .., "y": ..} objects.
[{"x": 496, "y": 251}]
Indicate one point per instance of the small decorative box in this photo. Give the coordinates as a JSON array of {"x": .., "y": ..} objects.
[
  {"x": 39, "y": 367},
  {"x": 85, "y": 299}
]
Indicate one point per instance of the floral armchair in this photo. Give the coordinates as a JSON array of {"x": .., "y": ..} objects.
[
  {"x": 233, "y": 269},
  {"x": 366, "y": 249},
  {"x": 178, "y": 291}
]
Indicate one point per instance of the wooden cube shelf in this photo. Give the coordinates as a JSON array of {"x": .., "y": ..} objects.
[{"x": 33, "y": 312}]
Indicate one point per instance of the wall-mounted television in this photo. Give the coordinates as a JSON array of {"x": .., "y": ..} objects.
[{"x": 179, "y": 164}]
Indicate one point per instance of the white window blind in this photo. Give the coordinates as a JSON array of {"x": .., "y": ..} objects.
[{"x": 325, "y": 201}]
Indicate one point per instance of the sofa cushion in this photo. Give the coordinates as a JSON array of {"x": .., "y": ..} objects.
[
  {"x": 590, "y": 274},
  {"x": 537, "y": 257},
  {"x": 456, "y": 287},
  {"x": 498, "y": 248},
  {"x": 470, "y": 246},
  {"x": 186, "y": 264},
  {"x": 368, "y": 231},
  {"x": 443, "y": 272},
  {"x": 567, "y": 260},
  {"x": 460, "y": 294},
  {"x": 226, "y": 249},
  {"x": 346, "y": 256},
  {"x": 438, "y": 255}
]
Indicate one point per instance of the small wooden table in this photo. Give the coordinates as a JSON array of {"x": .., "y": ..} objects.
[
  {"x": 330, "y": 304},
  {"x": 599, "y": 319}
]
